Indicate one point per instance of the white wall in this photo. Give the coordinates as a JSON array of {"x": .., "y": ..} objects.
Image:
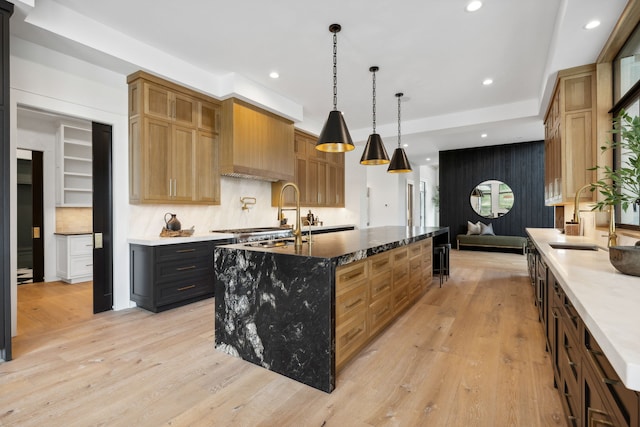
[{"x": 38, "y": 135}]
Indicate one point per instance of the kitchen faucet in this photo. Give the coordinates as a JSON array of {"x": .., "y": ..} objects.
[
  {"x": 297, "y": 231},
  {"x": 612, "y": 237}
]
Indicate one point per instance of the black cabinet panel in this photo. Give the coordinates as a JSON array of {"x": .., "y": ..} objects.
[
  {"x": 168, "y": 276},
  {"x": 521, "y": 166}
]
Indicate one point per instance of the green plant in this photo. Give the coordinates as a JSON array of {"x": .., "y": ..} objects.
[{"x": 621, "y": 185}]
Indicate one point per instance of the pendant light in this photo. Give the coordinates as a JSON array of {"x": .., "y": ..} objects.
[
  {"x": 335, "y": 137},
  {"x": 374, "y": 152},
  {"x": 399, "y": 162}
]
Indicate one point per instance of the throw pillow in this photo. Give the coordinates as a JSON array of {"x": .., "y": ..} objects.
[
  {"x": 473, "y": 228},
  {"x": 486, "y": 230}
]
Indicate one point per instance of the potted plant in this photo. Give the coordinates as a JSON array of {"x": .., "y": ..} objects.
[{"x": 622, "y": 186}]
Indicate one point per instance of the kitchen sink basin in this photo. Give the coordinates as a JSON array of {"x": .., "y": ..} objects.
[{"x": 578, "y": 246}]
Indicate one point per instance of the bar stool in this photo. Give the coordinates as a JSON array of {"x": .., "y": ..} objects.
[{"x": 442, "y": 252}]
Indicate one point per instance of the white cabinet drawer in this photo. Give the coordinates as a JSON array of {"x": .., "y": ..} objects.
[
  {"x": 81, "y": 266},
  {"x": 81, "y": 245},
  {"x": 74, "y": 257}
]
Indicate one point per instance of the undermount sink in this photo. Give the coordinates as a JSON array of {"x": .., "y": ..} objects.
[{"x": 578, "y": 246}]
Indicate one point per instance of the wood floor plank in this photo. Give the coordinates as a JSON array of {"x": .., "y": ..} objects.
[{"x": 469, "y": 353}]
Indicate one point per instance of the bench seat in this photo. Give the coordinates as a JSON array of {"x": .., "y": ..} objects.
[{"x": 490, "y": 241}]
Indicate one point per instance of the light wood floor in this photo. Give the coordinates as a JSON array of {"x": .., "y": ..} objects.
[{"x": 469, "y": 354}]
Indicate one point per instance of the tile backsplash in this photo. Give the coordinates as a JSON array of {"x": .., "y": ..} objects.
[{"x": 74, "y": 220}]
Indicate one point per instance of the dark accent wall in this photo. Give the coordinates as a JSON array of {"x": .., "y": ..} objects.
[{"x": 521, "y": 166}]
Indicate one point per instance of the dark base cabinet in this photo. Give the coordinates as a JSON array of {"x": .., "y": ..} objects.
[
  {"x": 592, "y": 394},
  {"x": 168, "y": 276}
]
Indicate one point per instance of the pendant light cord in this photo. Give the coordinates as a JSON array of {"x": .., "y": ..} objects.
[
  {"x": 374, "y": 102},
  {"x": 399, "y": 95},
  {"x": 335, "y": 70}
]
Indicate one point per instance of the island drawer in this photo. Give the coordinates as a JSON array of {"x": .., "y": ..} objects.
[
  {"x": 380, "y": 314},
  {"x": 349, "y": 275},
  {"x": 353, "y": 301},
  {"x": 415, "y": 250},
  {"x": 401, "y": 298},
  {"x": 381, "y": 285},
  {"x": 380, "y": 263},
  {"x": 350, "y": 337}
]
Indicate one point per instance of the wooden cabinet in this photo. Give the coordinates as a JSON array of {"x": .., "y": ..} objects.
[
  {"x": 319, "y": 175},
  {"x": 255, "y": 143},
  {"x": 168, "y": 276},
  {"x": 74, "y": 166},
  {"x": 173, "y": 143},
  {"x": 591, "y": 392},
  {"x": 74, "y": 261},
  {"x": 372, "y": 292},
  {"x": 570, "y": 136}
]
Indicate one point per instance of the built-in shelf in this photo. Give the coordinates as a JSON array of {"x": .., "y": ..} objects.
[{"x": 75, "y": 162}]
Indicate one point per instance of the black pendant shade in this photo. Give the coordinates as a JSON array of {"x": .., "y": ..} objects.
[
  {"x": 335, "y": 137},
  {"x": 399, "y": 162},
  {"x": 374, "y": 152}
]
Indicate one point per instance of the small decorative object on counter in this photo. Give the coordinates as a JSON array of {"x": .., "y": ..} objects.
[
  {"x": 177, "y": 233},
  {"x": 310, "y": 219},
  {"x": 172, "y": 224}
]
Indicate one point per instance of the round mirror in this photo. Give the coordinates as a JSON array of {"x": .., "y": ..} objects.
[{"x": 491, "y": 198}]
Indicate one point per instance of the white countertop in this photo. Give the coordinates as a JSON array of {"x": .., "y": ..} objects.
[
  {"x": 608, "y": 301},
  {"x": 158, "y": 241},
  {"x": 207, "y": 236}
]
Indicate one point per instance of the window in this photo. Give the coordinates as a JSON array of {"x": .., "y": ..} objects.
[{"x": 626, "y": 92}]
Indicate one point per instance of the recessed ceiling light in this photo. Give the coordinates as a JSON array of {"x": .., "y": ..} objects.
[
  {"x": 473, "y": 6},
  {"x": 428, "y": 159},
  {"x": 484, "y": 135},
  {"x": 487, "y": 82},
  {"x": 405, "y": 145},
  {"x": 592, "y": 24},
  {"x": 274, "y": 75}
]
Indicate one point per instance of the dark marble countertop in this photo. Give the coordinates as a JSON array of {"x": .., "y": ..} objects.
[{"x": 349, "y": 246}]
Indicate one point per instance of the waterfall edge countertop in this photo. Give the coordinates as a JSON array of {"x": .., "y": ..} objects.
[
  {"x": 608, "y": 301},
  {"x": 275, "y": 306}
]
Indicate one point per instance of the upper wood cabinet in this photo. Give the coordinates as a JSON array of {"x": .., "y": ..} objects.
[
  {"x": 173, "y": 143},
  {"x": 570, "y": 136},
  {"x": 319, "y": 175},
  {"x": 255, "y": 143}
]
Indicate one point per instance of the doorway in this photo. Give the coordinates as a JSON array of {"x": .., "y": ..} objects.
[
  {"x": 66, "y": 205},
  {"x": 30, "y": 217}
]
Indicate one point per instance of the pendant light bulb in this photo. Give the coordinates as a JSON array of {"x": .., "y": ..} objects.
[
  {"x": 374, "y": 152},
  {"x": 335, "y": 137},
  {"x": 399, "y": 161}
]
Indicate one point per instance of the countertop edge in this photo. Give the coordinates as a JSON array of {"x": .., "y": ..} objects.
[
  {"x": 159, "y": 241},
  {"x": 582, "y": 275}
]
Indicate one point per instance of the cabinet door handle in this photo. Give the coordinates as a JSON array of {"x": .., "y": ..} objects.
[
  {"x": 351, "y": 335},
  {"x": 191, "y": 267},
  {"x": 184, "y": 288},
  {"x": 170, "y": 187},
  {"x": 353, "y": 275},
  {"x": 353, "y": 304},
  {"x": 592, "y": 355},
  {"x": 181, "y": 251},
  {"x": 89, "y": 265}
]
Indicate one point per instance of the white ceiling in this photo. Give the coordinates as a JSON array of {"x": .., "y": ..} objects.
[{"x": 433, "y": 51}]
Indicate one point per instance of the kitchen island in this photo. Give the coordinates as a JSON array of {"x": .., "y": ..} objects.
[{"x": 305, "y": 312}]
